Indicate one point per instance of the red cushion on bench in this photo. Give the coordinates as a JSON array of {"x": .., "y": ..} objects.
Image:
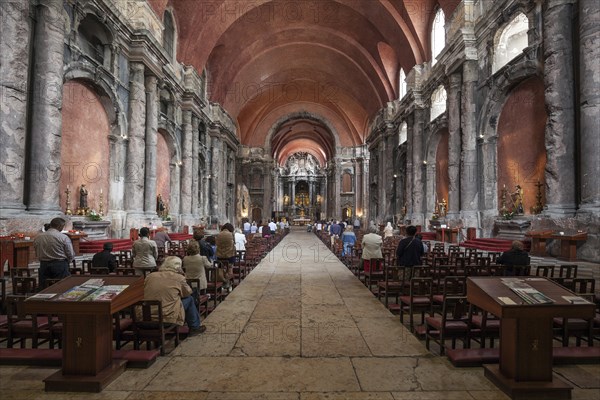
[
  {"x": 575, "y": 355},
  {"x": 137, "y": 358},
  {"x": 42, "y": 357},
  {"x": 472, "y": 357}
]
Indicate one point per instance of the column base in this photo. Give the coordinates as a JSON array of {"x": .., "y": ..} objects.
[
  {"x": 559, "y": 210},
  {"x": 470, "y": 219}
]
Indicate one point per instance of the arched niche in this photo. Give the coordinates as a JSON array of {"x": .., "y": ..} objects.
[
  {"x": 442, "y": 178},
  {"x": 521, "y": 141},
  {"x": 437, "y": 177},
  {"x": 94, "y": 39},
  {"x": 438, "y": 35},
  {"x": 85, "y": 148},
  {"x": 438, "y": 102},
  {"x": 510, "y": 41}
]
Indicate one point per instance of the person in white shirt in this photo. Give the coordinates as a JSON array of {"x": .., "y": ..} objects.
[
  {"x": 253, "y": 228},
  {"x": 240, "y": 240},
  {"x": 247, "y": 227},
  {"x": 260, "y": 228},
  {"x": 272, "y": 227}
]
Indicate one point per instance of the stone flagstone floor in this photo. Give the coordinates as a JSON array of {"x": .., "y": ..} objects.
[{"x": 299, "y": 327}]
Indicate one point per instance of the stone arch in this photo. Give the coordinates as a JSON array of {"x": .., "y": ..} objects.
[
  {"x": 487, "y": 125},
  {"x": 301, "y": 115},
  {"x": 347, "y": 180},
  {"x": 437, "y": 180}
]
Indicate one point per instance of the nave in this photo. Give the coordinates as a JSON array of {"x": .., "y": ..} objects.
[{"x": 301, "y": 326}]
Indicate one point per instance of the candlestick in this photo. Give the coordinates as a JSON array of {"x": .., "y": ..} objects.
[
  {"x": 101, "y": 205},
  {"x": 68, "y": 211}
]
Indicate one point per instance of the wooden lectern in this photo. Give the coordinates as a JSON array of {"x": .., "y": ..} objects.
[
  {"x": 525, "y": 369},
  {"x": 87, "y": 363},
  {"x": 16, "y": 252}
]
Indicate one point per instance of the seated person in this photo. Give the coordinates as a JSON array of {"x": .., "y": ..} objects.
[
  {"x": 348, "y": 240},
  {"x": 515, "y": 257},
  {"x": 161, "y": 237},
  {"x": 205, "y": 248},
  {"x": 195, "y": 265},
  {"x": 104, "y": 258},
  {"x": 144, "y": 252},
  {"x": 169, "y": 286}
]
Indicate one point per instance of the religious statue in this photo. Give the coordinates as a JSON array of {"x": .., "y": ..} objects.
[
  {"x": 160, "y": 205},
  {"x": 443, "y": 208},
  {"x": 517, "y": 197},
  {"x": 83, "y": 197}
]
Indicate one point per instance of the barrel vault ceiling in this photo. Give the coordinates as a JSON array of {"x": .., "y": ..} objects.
[{"x": 303, "y": 75}]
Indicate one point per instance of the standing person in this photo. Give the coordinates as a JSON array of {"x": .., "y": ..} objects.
[
  {"x": 356, "y": 224},
  {"x": 169, "y": 286},
  {"x": 272, "y": 227},
  {"x": 515, "y": 259},
  {"x": 55, "y": 252},
  {"x": 240, "y": 240},
  {"x": 409, "y": 250},
  {"x": 105, "y": 258},
  {"x": 144, "y": 252},
  {"x": 335, "y": 231},
  {"x": 253, "y": 228},
  {"x": 247, "y": 227},
  {"x": 371, "y": 245}
]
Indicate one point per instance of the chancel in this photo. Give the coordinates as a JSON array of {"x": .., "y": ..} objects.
[{"x": 470, "y": 127}]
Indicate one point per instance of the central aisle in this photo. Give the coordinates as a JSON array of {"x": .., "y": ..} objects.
[{"x": 302, "y": 326}]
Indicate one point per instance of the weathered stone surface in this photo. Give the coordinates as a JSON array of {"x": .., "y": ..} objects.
[
  {"x": 134, "y": 176},
  {"x": 454, "y": 106},
  {"x": 150, "y": 183},
  {"x": 468, "y": 168},
  {"x": 187, "y": 164}
]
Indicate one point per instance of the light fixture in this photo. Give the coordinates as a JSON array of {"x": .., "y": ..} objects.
[
  {"x": 395, "y": 176},
  {"x": 424, "y": 162}
]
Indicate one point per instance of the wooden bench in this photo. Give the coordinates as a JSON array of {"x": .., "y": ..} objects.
[
  {"x": 53, "y": 357},
  {"x": 560, "y": 356}
]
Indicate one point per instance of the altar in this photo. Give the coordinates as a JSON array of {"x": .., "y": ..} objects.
[{"x": 300, "y": 221}]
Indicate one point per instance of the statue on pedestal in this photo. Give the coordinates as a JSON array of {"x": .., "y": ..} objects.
[
  {"x": 517, "y": 197},
  {"x": 83, "y": 197},
  {"x": 160, "y": 205},
  {"x": 443, "y": 208}
]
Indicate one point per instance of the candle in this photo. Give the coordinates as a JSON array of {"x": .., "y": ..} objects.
[{"x": 100, "y": 190}]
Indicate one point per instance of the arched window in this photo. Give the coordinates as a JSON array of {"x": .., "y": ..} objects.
[
  {"x": 510, "y": 41},
  {"x": 169, "y": 35},
  {"x": 402, "y": 84},
  {"x": 438, "y": 102},
  {"x": 94, "y": 39},
  {"x": 403, "y": 133},
  {"x": 438, "y": 35}
]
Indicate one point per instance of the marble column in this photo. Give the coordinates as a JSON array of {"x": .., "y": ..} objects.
[
  {"x": 216, "y": 157},
  {"x": 589, "y": 103},
  {"x": 454, "y": 145},
  {"x": 195, "y": 174},
  {"x": 293, "y": 199},
  {"x": 187, "y": 164},
  {"x": 469, "y": 203},
  {"x": 409, "y": 166},
  {"x": 134, "y": 167},
  {"x": 560, "y": 127},
  {"x": 418, "y": 188},
  {"x": 46, "y": 98},
  {"x": 175, "y": 186},
  {"x": 15, "y": 31},
  {"x": 389, "y": 182},
  {"x": 152, "y": 110}
]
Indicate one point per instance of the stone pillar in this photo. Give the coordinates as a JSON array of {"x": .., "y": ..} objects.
[
  {"x": 293, "y": 191},
  {"x": 589, "y": 103},
  {"x": 134, "y": 167},
  {"x": 195, "y": 162},
  {"x": 389, "y": 182},
  {"x": 409, "y": 166},
  {"x": 454, "y": 145},
  {"x": 46, "y": 99},
  {"x": 175, "y": 186},
  {"x": 187, "y": 164},
  {"x": 469, "y": 203},
  {"x": 216, "y": 158},
  {"x": 15, "y": 32},
  {"x": 560, "y": 128},
  {"x": 418, "y": 188},
  {"x": 150, "y": 192}
]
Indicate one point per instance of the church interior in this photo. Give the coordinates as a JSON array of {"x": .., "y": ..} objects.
[{"x": 477, "y": 121}]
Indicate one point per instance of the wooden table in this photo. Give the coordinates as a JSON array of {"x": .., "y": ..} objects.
[
  {"x": 448, "y": 235},
  {"x": 538, "y": 241},
  {"x": 87, "y": 363},
  {"x": 16, "y": 252},
  {"x": 568, "y": 244},
  {"x": 75, "y": 239},
  {"x": 525, "y": 369}
]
